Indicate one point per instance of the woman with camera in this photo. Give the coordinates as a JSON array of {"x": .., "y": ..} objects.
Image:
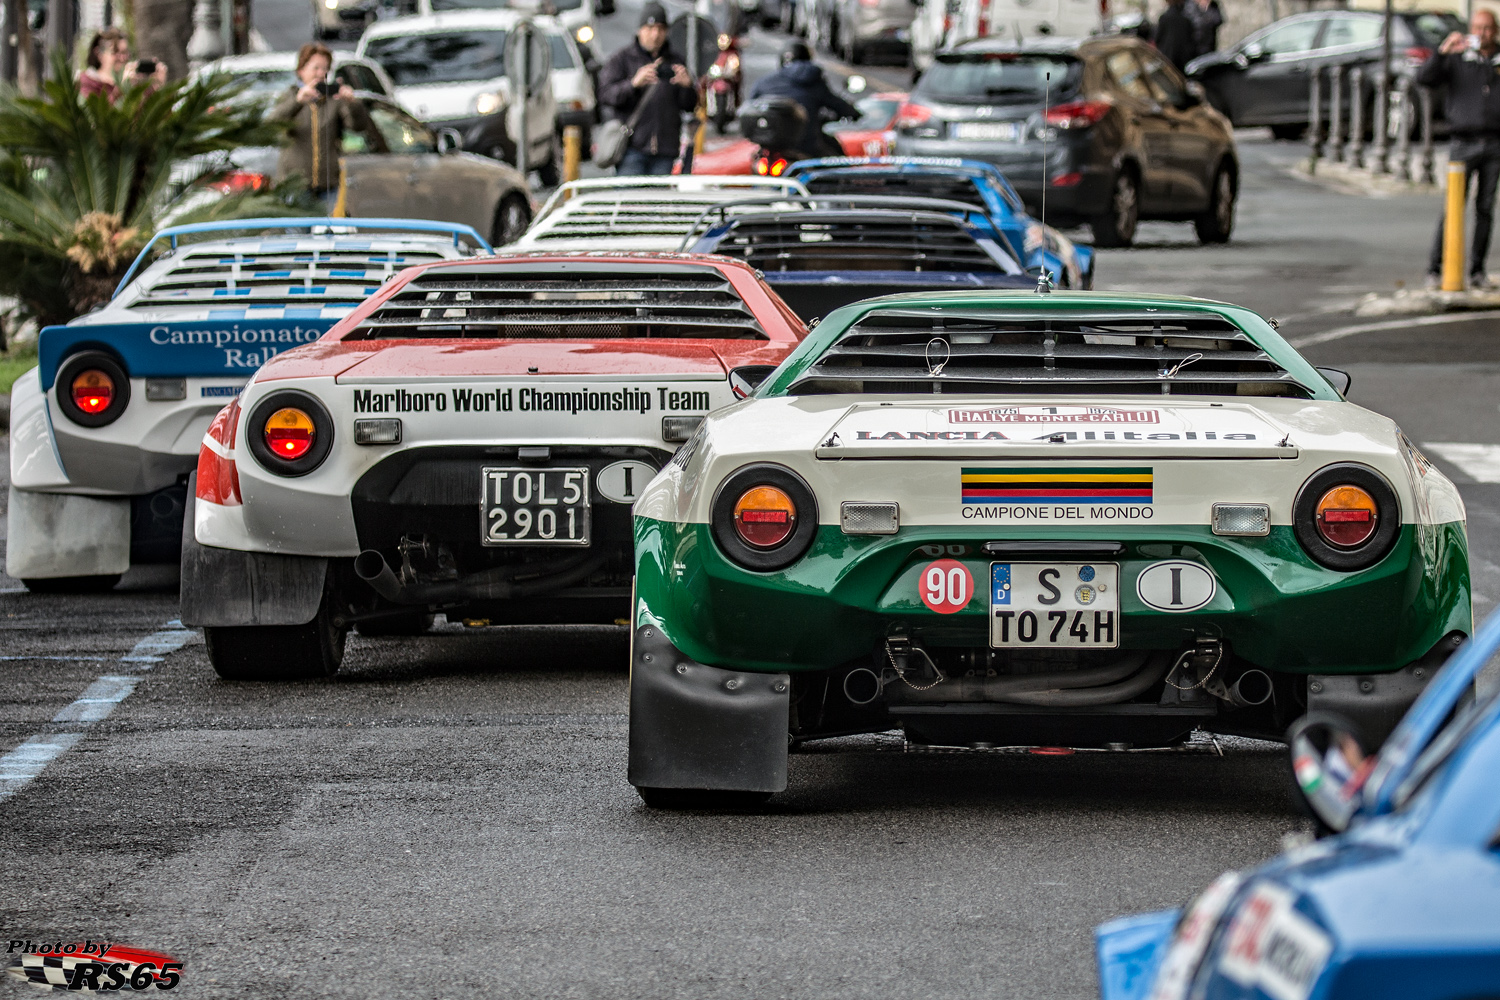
[
  {"x": 109, "y": 66},
  {"x": 320, "y": 112}
]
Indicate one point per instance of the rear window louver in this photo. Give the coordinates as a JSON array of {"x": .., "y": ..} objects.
[
  {"x": 919, "y": 185},
  {"x": 667, "y": 219},
  {"x": 857, "y": 242},
  {"x": 696, "y": 302},
  {"x": 1031, "y": 352},
  {"x": 278, "y": 277}
]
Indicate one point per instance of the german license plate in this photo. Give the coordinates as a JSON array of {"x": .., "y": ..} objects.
[
  {"x": 1054, "y": 605},
  {"x": 997, "y": 131},
  {"x": 532, "y": 506}
]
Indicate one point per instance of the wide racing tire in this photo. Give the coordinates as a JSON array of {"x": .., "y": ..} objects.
[
  {"x": 1115, "y": 226},
  {"x": 311, "y": 651},
  {"x": 72, "y": 584}
]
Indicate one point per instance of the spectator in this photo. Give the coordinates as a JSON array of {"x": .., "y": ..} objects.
[
  {"x": 109, "y": 65},
  {"x": 1468, "y": 67},
  {"x": 1175, "y": 35},
  {"x": 1206, "y": 17},
  {"x": 319, "y": 114},
  {"x": 646, "y": 76},
  {"x": 802, "y": 80}
]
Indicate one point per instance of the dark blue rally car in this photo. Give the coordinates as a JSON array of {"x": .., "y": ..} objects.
[
  {"x": 972, "y": 181},
  {"x": 1403, "y": 901}
]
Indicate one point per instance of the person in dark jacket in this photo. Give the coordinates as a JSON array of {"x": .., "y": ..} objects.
[
  {"x": 1175, "y": 36},
  {"x": 1473, "y": 115},
  {"x": 802, "y": 80},
  {"x": 1207, "y": 18},
  {"x": 647, "y": 72}
]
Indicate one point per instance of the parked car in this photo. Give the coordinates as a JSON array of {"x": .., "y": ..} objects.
[
  {"x": 470, "y": 440},
  {"x": 266, "y": 75},
  {"x": 945, "y": 23},
  {"x": 1125, "y": 137},
  {"x": 855, "y": 29},
  {"x": 421, "y": 174},
  {"x": 1039, "y": 247},
  {"x": 1021, "y": 519},
  {"x": 449, "y": 69},
  {"x": 337, "y": 19},
  {"x": 1265, "y": 78},
  {"x": 1403, "y": 904},
  {"x": 105, "y": 430}
]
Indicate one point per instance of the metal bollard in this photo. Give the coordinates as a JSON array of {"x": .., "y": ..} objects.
[
  {"x": 1382, "y": 164},
  {"x": 1453, "y": 230},
  {"x": 1336, "y": 114},
  {"x": 1429, "y": 167},
  {"x": 1403, "y": 132},
  {"x": 572, "y": 151},
  {"x": 1357, "y": 117},
  {"x": 1315, "y": 115}
]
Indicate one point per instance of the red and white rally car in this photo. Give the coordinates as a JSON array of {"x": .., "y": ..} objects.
[{"x": 469, "y": 440}]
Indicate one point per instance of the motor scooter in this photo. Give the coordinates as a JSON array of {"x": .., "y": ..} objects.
[{"x": 723, "y": 83}]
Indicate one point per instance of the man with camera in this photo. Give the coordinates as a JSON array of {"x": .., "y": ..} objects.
[
  {"x": 319, "y": 113},
  {"x": 1469, "y": 67},
  {"x": 648, "y": 88}
]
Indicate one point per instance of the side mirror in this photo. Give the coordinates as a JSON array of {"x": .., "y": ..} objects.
[
  {"x": 1331, "y": 765},
  {"x": 744, "y": 380},
  {"x": 1254, "y": 52},
  {"x": 449, "y": 141},
  {"x": 1340, "y": 380},
  {"x": 1193, "y": 96}
]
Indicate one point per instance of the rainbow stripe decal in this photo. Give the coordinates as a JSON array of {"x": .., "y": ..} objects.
[{"x": 1056, "y": 485}]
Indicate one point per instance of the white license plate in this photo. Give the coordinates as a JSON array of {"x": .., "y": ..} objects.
[
  {"x": 1054, "y": 605},
  {"x": 998, "y": 131},
  {"x": 531, "y": 506}
]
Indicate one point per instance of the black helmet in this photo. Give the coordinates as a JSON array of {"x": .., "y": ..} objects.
[{"x": 796, "y": 51}]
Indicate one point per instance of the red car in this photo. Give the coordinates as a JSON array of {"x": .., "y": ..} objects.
[
  {"x": 469, "y": 440},
  {"x": 870, "y": 135}
]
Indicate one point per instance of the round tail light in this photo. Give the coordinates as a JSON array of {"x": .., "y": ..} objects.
[
  {"x": 764, "y": 517},
  {"x": 1346, "y": 516},
  {"x": 93, "y": 391},
  {"x": 290, "y": 433}
]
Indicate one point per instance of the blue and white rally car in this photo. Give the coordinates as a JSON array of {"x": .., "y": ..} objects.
[
  {"x": 973, "y": 181},
  {"x": 1403, "y": 904},
  {"x": 106, "y": 431}
]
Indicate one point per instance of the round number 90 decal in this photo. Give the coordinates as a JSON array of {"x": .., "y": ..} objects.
[{"x": 946, "y": 586}]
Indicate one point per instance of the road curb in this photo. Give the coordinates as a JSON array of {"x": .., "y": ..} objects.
[
  {"x": 1345, "y": 179},
  {"x": 1422, "y": 302}
]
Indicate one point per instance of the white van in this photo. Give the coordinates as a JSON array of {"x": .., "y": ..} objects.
[{"x": 942, "y": 24}]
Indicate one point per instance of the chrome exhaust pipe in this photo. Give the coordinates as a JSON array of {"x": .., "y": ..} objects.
[
  {"x": 1253, "y": 688},
  {"x": 371, "y": 567},
  {"x": 862, "y": 685}
]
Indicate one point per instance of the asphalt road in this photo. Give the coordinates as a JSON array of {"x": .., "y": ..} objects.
[{"x": 450, "y": 814}]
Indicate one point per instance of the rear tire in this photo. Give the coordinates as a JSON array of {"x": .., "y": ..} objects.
[
  {"x": 277, "y": 652},
  {"x": 1116, "y": 226},
  {"x": 72, "y": 584},
  {"x": 1289, "y": 133},
  {"x": 700, "y": 798},
  {"x": 512, "y": 218},
  {"x": 1217, "y": 223}
]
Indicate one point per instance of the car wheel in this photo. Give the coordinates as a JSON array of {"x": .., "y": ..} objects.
[
  {"x": 1116, "y": 226},
  {"x": 277, "y": 652},
  {"x": 700, "y": 798},
  {"x": 72, "y": 584},
  {"x": 1215, "y": 224},
  {"x": 511, "y": 220},
  {"x": 1289, "y": 133},
  {"x": 415, "y": 623}
]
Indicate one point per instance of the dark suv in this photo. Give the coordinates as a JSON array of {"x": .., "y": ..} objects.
[
  {"x": 1124, "y": 136},
  {"x": 1264, "y": 79}
]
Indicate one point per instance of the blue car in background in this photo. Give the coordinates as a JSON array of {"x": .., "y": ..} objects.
[
  {"x": 972, "y": 181},
  {"x": 106, "y": 430},
  {"x": 1403, "y": 901}
]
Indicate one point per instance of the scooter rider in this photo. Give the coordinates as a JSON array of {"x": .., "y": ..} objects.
[{"x": 802, "y": 80}]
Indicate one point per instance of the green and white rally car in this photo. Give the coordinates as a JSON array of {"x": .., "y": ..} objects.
[{"x": 1018, "y": 519}]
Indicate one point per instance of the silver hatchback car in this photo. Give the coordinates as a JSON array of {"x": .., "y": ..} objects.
[{"x": 855, "y": 29}]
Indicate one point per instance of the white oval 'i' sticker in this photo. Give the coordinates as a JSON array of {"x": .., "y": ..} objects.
[{"x": 1177, "y": 585}]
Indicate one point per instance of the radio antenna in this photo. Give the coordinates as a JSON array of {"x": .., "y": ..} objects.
[{"x": 1044, "y": 280}]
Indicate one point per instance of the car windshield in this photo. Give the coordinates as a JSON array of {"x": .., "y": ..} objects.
[
  {"x": 1432, "y": 28},
  {"x": 440, "y": 57},
  {"x": 265, "y": 81},
  {"x": 1467, "y": 719},
  {"x": 997, "y": 77},
  {"x": 438, "y": 5},
  {"x": 561, "y": 57},
  {"x": 875, "y": 112}
]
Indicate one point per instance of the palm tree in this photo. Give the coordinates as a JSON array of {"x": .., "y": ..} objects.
[{"x": 85, "y": 183}]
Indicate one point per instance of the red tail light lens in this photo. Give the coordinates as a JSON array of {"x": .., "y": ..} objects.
[
  {"x": 911, "y": 115},
  {"x": 778, "y": 167},
  {"x": 763, "y": 166},
  {"x": 764, "y": 517},
  {"x": 1067, "y": 180},
  {"x": 1418, "y": 54},
  {"x": 1077, "y": 114},
  {"x": 241, "y": 180},
  {"x": 93, "y": 391},
  {"x": 289, "y": 433},
  {"x": 1347, "y": 516}
]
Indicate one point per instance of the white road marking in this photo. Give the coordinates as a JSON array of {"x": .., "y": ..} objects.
[
  {"x": 19, "y": 767},
  {"x": 1339, "y": 333},
  {"x": 1480, "y": 462},
  {"x": 65, "y": 659}
]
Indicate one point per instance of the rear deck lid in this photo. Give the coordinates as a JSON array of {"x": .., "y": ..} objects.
[{"x": 402, "y": 363}]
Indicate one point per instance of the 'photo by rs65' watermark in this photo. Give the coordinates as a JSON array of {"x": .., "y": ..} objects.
[{"x": 93, "y": 966}]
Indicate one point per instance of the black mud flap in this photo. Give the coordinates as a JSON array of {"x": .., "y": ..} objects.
[
  {"x": 1375, "y": 703},
  {"x": 225, "y": 587},
  {"x": 695, "y": 726}
]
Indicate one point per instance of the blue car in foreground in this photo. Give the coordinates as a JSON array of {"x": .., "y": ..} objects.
[
  {"x": 973, "y": 181},
  {"x": 1403, "y": 901}
]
